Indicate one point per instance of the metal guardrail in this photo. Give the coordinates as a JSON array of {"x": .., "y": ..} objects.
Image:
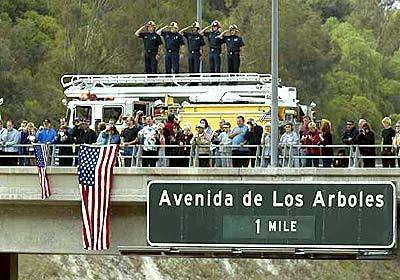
[
  {"x": 177, "y": 79},
  {"x": 217, "y": 155}
]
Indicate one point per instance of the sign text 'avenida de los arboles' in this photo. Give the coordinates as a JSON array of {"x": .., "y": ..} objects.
[{"x": 326, "y": 215}]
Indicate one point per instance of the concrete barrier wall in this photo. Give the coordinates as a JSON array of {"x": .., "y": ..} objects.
[{"x": 31, "y": 225}]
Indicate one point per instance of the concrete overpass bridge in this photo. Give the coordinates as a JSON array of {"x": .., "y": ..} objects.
[{"x": 31, "y": 225}]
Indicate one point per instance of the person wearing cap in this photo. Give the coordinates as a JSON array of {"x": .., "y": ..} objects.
[
  {"x": 151, "y": 41},
  {"x": 202, "y": 142},
  {"x": 173, "y": 42},
  {"x": 224, "y": 145},
  {"x": 253, "y": 137},
  {"x": 234, "y": 45},
  {"x": 46, "y": 134},
  {"x": 195, "y": 43},
  {"x": 212, "y": 33}
]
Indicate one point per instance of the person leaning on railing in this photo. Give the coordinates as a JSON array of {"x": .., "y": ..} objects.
[
  {"x": 63, "y": 137},
  {"x": 238, "y": 136},
  {"x": 396, "y": 142}
]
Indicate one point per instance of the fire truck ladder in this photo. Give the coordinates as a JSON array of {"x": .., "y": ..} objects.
[{"x": 90, "y": 81}]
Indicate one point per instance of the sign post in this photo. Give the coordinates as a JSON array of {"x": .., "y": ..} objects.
[{"x": 324, "y": 215}]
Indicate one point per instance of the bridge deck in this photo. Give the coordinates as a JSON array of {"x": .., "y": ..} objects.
[{"x": 31, "y": 225}]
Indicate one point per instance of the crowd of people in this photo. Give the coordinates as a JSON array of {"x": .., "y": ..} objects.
[{"x": 169, "y": 143}]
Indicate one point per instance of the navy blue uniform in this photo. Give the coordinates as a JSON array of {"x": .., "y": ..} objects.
[
  {"x": 233, "y": 45},
  {"x": 173, "y": 42},
  {"x": 214, "y": 54},
  {"x": 195, "y": 42},
  {"x": 151, "y": 41}
]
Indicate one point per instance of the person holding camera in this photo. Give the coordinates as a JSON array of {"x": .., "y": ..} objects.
[
  {"x": 366, "y": 137},
  {"x": 312, "y": 138},
  {"x": 254, "y": 136}
]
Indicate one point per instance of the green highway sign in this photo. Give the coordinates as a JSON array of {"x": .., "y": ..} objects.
[{"x": 322, "y": 215}]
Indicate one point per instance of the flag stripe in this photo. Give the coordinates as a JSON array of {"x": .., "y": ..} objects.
[
  {"x": 40, "y": 152},
  {"x": 95, "y": 172}
]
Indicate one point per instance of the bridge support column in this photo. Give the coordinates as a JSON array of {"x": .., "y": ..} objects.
[{"x": 9, "y": 266}]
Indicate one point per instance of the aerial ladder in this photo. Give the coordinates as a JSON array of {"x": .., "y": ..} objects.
[{"x": 202, "y": 87}]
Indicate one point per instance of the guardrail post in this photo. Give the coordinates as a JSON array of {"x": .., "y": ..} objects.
[
  {"x": 139, "y": 157},
  {"x": 196, "y": 156},
  {"x": 53, "y": 156},
  {"x": 290, "y": 164},
  {"x": 257, "y": 162},
  {"x": 191, "y": 156}
]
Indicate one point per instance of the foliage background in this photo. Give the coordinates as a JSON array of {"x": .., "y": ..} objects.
[{"x": 342, "y": 54}]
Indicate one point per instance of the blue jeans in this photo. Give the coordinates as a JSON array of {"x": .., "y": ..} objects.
[{"x": 128, "y": 152}]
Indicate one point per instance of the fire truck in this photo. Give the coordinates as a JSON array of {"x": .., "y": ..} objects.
[{"x": 214, "y": 96}]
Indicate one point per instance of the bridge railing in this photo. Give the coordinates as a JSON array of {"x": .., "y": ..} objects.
[{"x": 216, "y": 155}]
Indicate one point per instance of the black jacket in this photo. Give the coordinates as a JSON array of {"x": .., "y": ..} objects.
[
  {"x": 254, "y": 135},
  {"x": 352, "y": 133}
]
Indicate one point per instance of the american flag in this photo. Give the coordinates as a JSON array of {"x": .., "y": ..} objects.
[
  {"x": 41, "y": 158},
  {"x": 95, "y": 170},
  {"x": 265, "y": 117}
]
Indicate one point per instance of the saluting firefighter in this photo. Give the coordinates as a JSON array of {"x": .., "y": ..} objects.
[
  {"x": 234, "y": 45},
  {"x": 214, "y": 54},
  {"x": 195, "y": 43},
  {"x": 173, "y": 42},
  {"x": 151, "y": 41}
]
